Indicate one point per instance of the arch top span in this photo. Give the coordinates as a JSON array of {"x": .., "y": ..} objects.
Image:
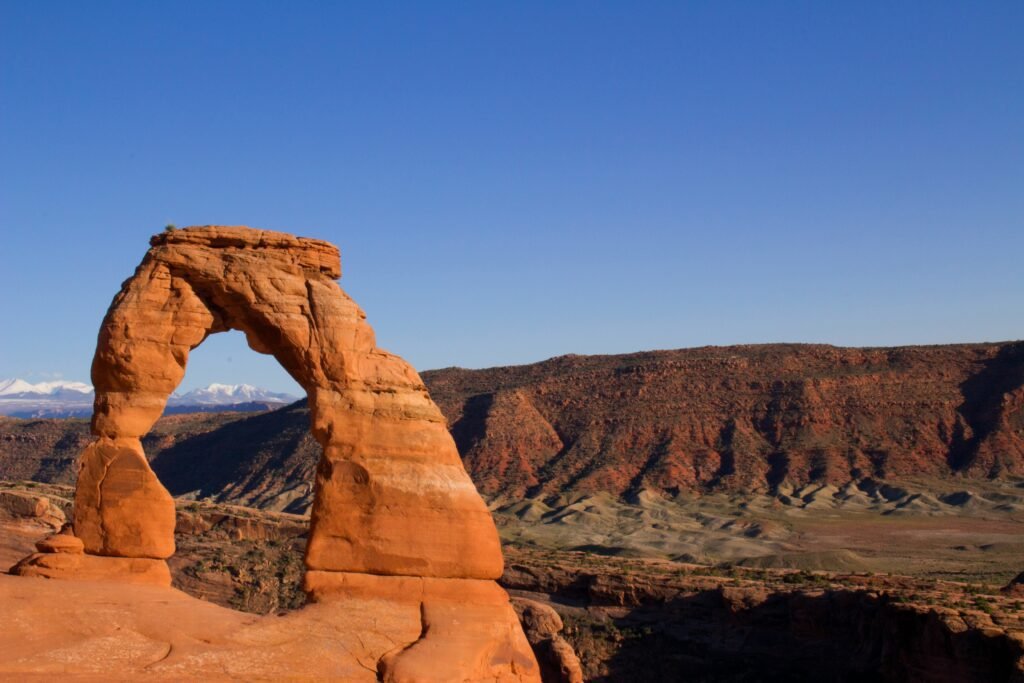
[
  {"x": 305, "y": 252},
  {"x": 278, "y": 289},
  {"x": 391, "y": 494}
]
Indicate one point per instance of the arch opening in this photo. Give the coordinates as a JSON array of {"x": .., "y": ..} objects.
[
  {"x": 242, "y": 445},
  {"x": 226, "y": 358}
]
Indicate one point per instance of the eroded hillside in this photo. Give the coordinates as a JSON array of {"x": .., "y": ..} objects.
[
  {"x": 745, "y": 419},
  {"x": 741, "y": 418}
]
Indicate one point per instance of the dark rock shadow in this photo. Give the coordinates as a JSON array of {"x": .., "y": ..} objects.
[
  {"x": 241, "y": 459},
  {"x": 840, "y": 637},
  {"x": 653, "y": 632},
  {"x": 982, "y": 402}
]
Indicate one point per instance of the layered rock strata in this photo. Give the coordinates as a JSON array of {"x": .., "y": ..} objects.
[{"x": 738, "y": 418}]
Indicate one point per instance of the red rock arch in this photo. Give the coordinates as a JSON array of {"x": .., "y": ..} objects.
[
  {"x": 396, "y": 521},
  {"x": 391, "y": 494}
]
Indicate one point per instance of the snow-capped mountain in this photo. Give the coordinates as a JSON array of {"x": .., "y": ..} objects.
[
  {"x": 15, "y": 388},
  {"x": 19, "y": 398},
  {"x": 229, "y": 394}
]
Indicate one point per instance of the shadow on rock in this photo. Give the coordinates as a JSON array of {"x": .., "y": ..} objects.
[{"x": 746, "y": 635}]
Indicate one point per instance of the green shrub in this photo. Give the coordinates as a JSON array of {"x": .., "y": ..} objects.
[{"x": 984, "y": 604}]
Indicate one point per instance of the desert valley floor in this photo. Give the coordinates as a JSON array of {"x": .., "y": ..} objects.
[{"x": 757, "y": 591}]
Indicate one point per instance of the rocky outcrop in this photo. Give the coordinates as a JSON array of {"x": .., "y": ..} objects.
[
  {"x": 391, "y": 497},
  {"x": 369, "y": 410},
  {"x": 542, "y": 625},
  {"x": 631, "y": 620},
  {"x": 77, "y": 566},
  {"x": 62, "y": 556},
  {"x": 469, "y": 631},
  {"x": 627, "y": 618},
  {"x": 1016, "y": 585},
  {"x": 104, "y": 631},
  {"x": 37, "y": 508}
]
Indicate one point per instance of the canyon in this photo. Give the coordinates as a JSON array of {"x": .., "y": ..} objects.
[
  {"x": 885, "y": 552},
  {"x": 589, "y": 617}
]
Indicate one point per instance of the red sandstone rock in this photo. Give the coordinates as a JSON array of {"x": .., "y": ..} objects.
[
  {"x": 82, "y": 567},
  {"x": 121, "y": 509},
  {"x": 23, "y": 504},
  {"x": 391, "y": 496},
  {"x": 542, "y": 625},
  {"x": 103, "y": 631},
  {"x": 61, "y": 543},
  {"x": 40, "y": 508},
  {"x": 469, "y": 630},
  {"x": 395, "y": 517},
  {"x": 540, "y": 621},
  {"x": 741, "y": 418}
]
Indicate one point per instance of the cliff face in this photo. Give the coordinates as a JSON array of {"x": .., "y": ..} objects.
[
  {"x": 636, "y": 621},
  {"x": 737, "y": 418},
  {"x": 743, "y": 418}
]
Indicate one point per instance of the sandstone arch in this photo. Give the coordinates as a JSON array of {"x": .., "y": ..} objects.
[{"x": 395, "y": 516}]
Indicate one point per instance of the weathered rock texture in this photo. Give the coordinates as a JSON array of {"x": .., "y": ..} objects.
[
  {"x": 543, "y": 626},
  {"x": 738, "y": 418},
  {"x": 742, "y": 418},
  {"x": 467, "y": 625},
  {"x": 1016, "y": 585},
  {"x": 632, "y": 620},
  {"x": 36, "y": 507},
  {"x": 391, "y": 497},
  {"x": 101, "y": 631}
]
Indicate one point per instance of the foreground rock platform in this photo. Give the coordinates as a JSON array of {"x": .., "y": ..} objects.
[{"x": 113, "y": 631}]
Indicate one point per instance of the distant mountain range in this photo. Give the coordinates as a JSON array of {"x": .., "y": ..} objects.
[
  {"x": 229, "y": 394},
  {"x": 738, "y": 419},
  {"x": 19, "y": 388},
  {"x": 19, "y": 398}
]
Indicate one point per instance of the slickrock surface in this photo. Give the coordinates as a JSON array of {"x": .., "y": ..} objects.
[
  {"x": 392, "y": 507},
  {"x": 58, "y": 564},
  {"x": 468, "y": 629},
  {"x": 117, "y": 632}
]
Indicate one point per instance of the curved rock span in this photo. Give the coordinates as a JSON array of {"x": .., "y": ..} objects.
[{"x": 395, "y": 516}]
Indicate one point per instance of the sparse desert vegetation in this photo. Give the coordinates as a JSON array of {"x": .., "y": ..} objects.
[{"x": 713, "y": 622}]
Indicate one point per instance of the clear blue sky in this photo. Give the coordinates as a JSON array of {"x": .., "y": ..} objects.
[{"x": 513, "y": 181}]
